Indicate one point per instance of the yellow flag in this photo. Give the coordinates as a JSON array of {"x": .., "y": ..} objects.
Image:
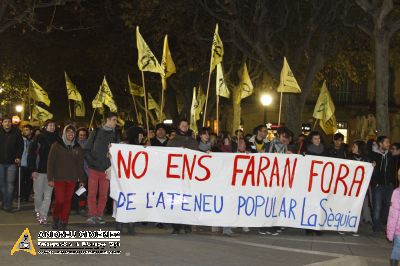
[
  {"x": 167, "y": 64},
  {"x": 330, "y": 126},
  {"x": 324, "y": 108},
  {"x": 146, "y": 59},
  {"x": 151, "y": 103},
  {"x": 98, "y": 100},
  {"x": 41, "y": 114},
  {"x": 222, "y": 89},
  {"x": 72, "y": 91},
  {"x": 140, "y": 119},
  {"x": 288, "y": 81},
  {"x": 24, "y": 243},
  {"x": 80, "y": 109},
  {"x": 135, "y": 89},
  {"x": 38, "y": 93},
  {"x": 246, "y": 86},
  {"x": 217, "y": 50},
  {"x": 193, "y": 109},
  {"x": 200, "y": 101}
]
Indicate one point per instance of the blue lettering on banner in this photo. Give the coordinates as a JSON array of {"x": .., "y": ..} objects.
[
  {"x": 185, "y": 202},
  {"x": 329, "y": 218},
  {"x": 269, "y": 207},
  {"x": 128, "y": 196},
  {"x": 122, "y": 200}
]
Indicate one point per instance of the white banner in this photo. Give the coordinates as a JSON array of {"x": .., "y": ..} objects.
[{"x": 176, "y": 185}]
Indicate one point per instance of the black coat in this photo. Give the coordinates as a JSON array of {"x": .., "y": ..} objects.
[
  {"x": 156, "y": 143},
  {"x": 96, "y": 148},
  {"x": 39, "y": 151},
  {"x": 11, "y": 145},
  {"x": 384, "y": 169}
]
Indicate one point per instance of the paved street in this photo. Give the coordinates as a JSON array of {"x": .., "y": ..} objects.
[{"x": 153, "y": 246}]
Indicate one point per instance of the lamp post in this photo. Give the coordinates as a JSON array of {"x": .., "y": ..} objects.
[{"x": 266, "y": 100}]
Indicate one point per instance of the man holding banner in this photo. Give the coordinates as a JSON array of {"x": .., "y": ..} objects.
[{"x": 183, "y": 139}]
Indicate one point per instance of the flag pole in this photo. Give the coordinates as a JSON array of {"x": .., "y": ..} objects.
[
  {"x": 29, "y": 105},
  {"x": 145, "y": 103},
  {"x": 136, "y": 111},
  {"x": 69, "y": 108},
  {"x": 217, "y": 115},
  {"x": 162, "y": 105},
  {"x": 205, "y": 106},
  {"x": 91, "y": 120},
  {"x": 315, "y": 123},
  {"x": 280, "y": 110}
]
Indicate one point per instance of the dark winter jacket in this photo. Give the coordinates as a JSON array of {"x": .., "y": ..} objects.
[
  {"x": 183, "y": 140},
  {"x": 396, "y": 162},
  {"x": 251, "y": 145},
  {"x": 11, "y": 145},
  {"x": 39, "y": 151},
  {"x": 155, "y": 142},
  {"x": 384, "y": 169},
  {"x": 320, "y": 150},
  {"x": 96, "y": 148},
  {"x": 65, "y": 163},
  {"x": 339, "y": 154}
]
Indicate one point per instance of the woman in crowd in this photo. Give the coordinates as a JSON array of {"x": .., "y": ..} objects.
[{"x": 64, "y": 169}]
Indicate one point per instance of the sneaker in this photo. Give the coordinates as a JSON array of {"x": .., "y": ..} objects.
[
  {"x": 37, "y": 216},
  {"x": 214, "y": 229},
  {"x": 230, "y": 234},
  {"x": 246, "y": 229},
  {"x": 175, "y": 232},
  {"x": 355, "y": 234},
  {"x": 43, "y": 221},
  {"x": 273, "y": 233},
  {"x": 160, "y": 226},
  {"x": 91, "y": 220},
  {"x": 262, "y": 232},
  {"x": 100, "y": 220},
  {"x": 56, "y": 224},
  {"x": 131, "y": 228},
  {"x": 341, "y": 233},
  {"x": 188, "y": 229}
]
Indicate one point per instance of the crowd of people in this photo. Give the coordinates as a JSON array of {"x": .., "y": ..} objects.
[{"x": 53, "y": 162}]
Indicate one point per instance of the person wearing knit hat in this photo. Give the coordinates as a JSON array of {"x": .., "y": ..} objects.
[{"x": 161, "y": 139}]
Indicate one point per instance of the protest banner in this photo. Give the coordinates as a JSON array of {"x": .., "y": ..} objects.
[{"x": 176, "y": 185}]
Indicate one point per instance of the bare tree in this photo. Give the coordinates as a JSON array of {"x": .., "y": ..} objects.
[
  {"x": 24, "y": 12},
  {"x": 266, "y": 31},
  {"x": 381, "y": 23}
]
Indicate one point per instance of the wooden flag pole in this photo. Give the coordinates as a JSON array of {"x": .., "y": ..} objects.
[
  {"x": 217, "y": 114},
  {"x": 29, "y": 104},
  {"x": 205, "y": 105},
  {"x": 69, "y": 108},
  {"x": 315, "y": 124},
  {"x": 91, "y": 120},
  {"x": 280, "y": 110},
  {"x": 145, "y": 104},
  {"x": 136, "y": 111},
  {"x": 162, "y": 105}
]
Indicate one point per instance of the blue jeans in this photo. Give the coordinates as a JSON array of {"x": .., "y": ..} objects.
[
  {"x": 7, "y": 181},
  {"x": 381, "y": 196}
]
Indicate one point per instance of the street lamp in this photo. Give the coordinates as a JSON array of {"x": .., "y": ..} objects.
[
  {"x": 266, "y": 100},
  {"x": 19, "y": 108}
]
